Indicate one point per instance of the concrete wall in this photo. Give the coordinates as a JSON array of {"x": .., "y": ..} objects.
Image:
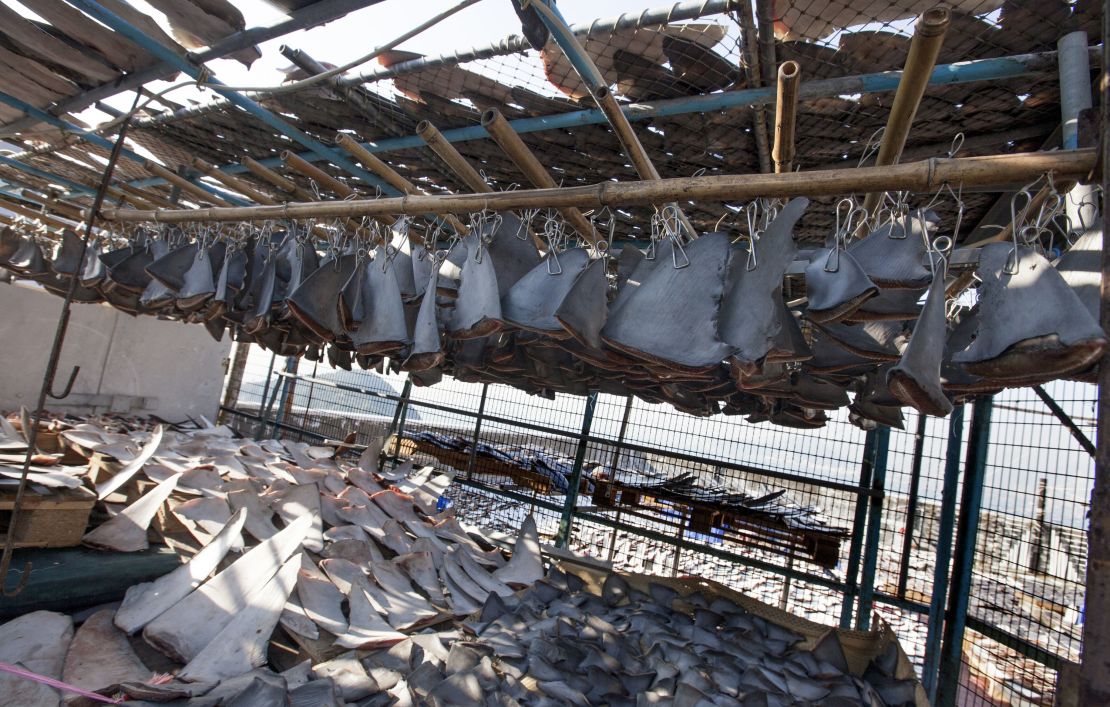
[{"x": 138, "y": 365}]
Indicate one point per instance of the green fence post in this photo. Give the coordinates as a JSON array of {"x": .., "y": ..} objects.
[
  {"x": 911, "y": 505},
  {"x": 402, "y": 413},
  {"x": 851, "y": 574},
  {"x": 874, "y": 529},
  {"x": 945, "y": 525},
  {"x": 951, "y": 652},
  {"x": 477, "y": 431},
  {"x": 567, "y": 520}
]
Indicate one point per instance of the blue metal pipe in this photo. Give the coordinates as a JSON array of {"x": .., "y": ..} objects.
[
  {"x": 951, "y": 654},
  {"x": 166, "y": 55},
  {"x": 874, "y": 530},
  {"x": 564, "y": 37},
  {"x": 97, "y": 140},
  {"x": 43, "y": 174},
  {"x": 946, "y": 523}
]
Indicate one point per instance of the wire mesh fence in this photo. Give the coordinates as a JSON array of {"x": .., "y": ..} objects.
[{"x": 1025, "y": 588}]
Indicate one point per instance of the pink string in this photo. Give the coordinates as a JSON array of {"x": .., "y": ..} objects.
[{"x": 45, "y": 680}]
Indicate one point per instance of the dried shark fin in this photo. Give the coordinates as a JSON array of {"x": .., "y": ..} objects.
[
  {"x": 199, "y": 282},
  {"x": 241, "y": 644},
  {"x": 531, "y": 303},
  {"x": 915, "y": 379},
  {"x": 261, "y": 312},
  {"x": 67, "y": 261},
  {"x": 750, "y": 318},
  {"x": 313, "y": 304},
  {"x": 383, "y": 329},
  {"x": 671, "y": 317},
  {"x": 513, "y": 256},
  {"x": 836, "y": 285},
  {"x": 157, "y": 295},
  {"x": 1080, "y": 268},
  {"x": 147, "y": 601},
  {"x": 584, "y": 310},
  {"x": 1032, "y": 326},
  {"x": 351, "y": 303},
  {"x": 478, "y": 306},
  {"x": 124, "y": 475},
  {"x": 789, "y": 344},
  {"x": 893, "y": 255},
  {"x": 427, "y": 345},
  {"x": 126, "y": 532},
  {"x": 170, "y": 269},
  {"x": 876, "y": 341},
  {"x": 525, "y": 567}
]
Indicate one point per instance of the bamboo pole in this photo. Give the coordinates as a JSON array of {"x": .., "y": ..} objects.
[
  {"x": 22, "y": 210},
  {"x": 459, "y": 165},
  {"x": 286, "y": 185},
  {"x": 928, "y": 36},
  {"x": 593, "y": 78},
  {"x": 786, "y": 114},
  {"x": 307, "y": 169},
  {"x": 242, "y": 187},
  {"x": 325, "y": 180},
  {"x": 137, "y": 195},
  {"x": 184, "y": 184},
  {"x": 995, "y": 172},
  {"x": 70, "y": 211},
  {"x": 527, "y": 162},
  {"x": 371, "y": 161},
  {"x": 455, "y": 161}
]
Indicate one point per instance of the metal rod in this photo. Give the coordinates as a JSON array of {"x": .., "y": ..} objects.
[
  {"x": 288, "y": 390},
  {"x": 1094, "y": 678},
  {"x": 999, "y": 171},
  {"x": 1065, "y": 420},
  {"x": 874, "y": 529},
  {"x": 851, "y": 572},
  {"x": 615, "y": 463},
  {"x": 941, "y": 567},
  {"x": 765, "y": 17},
  {"x": 51, "y": 371},
  {"x": 952, "y": 648},
  {"x": 527, "y": 162},
  {"x": 599, "y": 89},
  {"x": 786, "y": 115},
  {"x": 473, "y": 458},
  {"x": 928, "y": 36},
  {"x": 406, "y": 391},
  {"x": 1075, "y": 97},
  {"x": 911, "y": 505},
  {"x": 566, "y": 520},
  {"x": 750, "y": 65}
]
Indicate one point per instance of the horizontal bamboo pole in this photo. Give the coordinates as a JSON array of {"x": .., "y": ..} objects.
[
  {"x": 527, "y": 162},
  {"x": 326, "y": 181},
  {"x": 996, "y": 172},
  {"x": 67, "y": 210},
  {"x": 928, "y": 36},
  {"x": 376, "y": 165},
  {"x": 139, "y": 196},
  {"x": 786, "y": 115}
]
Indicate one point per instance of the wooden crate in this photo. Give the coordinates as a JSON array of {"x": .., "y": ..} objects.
[{"x": 56, "y": 519}]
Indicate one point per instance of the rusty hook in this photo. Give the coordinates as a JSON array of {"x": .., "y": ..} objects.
[{"x": 69, "y": 385}]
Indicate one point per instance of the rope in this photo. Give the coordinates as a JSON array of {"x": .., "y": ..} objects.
[{"x": 22, "y": 672}]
